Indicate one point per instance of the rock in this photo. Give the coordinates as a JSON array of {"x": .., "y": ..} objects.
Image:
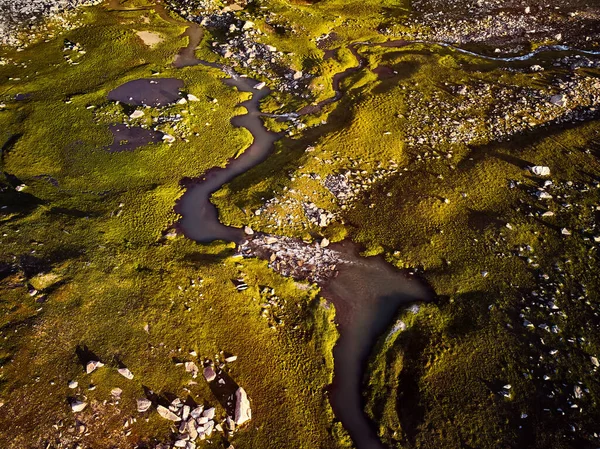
[
  {"x": 565, "y": 231},
  {"x": 92, "y": 366},
  {"x": 125, "y": 373},
  {"x": 231, "y": 358},
  {"x": 324, "y": 243},
  {"x": 248, "y": 230},
  {"x": 182, "y": 101},
  {"x": 137, "y": 114},
  {"x": 143, "y": 405},
  {"x": 168, "y": 138},
  {"x": 540, "y": 170},
  {"x": 259, "y": 86},
  {"x": 271, "y": 240},
  {"x": 78, "y": 406},
  {"x": 209, "y": 413},
  {"x": 543, "y": 195},
  {"x": 559, "y": 100},
  {"x": 243, "y": 412},
  {"x": 167, "y": 414},
  {"x": 247, "y": 25},
  {"x": 209, "y": 374},
  {"x": 197, "y": 412},
  {"x": 192, "y": 97},
  {"x": 116, "y": 393},
  {"x": 578, "y": 392},
  {"x": 191, "y": 367},
  {"x": 73, "y": 384},
  {"x": 297, "y": 75},
  {"x": 595, "y": 361}
]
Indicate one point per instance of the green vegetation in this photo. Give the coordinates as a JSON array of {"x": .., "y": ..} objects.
[
  {"x": 86, "y": 231},
  {"x": 451, "y": 214},
  {"x": 439, "y": 185}
]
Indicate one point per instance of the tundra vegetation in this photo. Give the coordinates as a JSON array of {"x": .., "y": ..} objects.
[{"x": 478, "y": 174}]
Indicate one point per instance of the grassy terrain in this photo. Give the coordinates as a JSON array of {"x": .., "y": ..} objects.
[
  {"x": 495, "y": 262},
  {"x": 86, "y": 231},
  {"x": 86, "y": 263}
]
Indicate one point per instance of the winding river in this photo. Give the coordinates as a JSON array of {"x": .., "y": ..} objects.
[{"x": 367, "y": 292}]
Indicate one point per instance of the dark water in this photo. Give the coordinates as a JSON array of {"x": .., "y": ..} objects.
[
  {"x": 152, "y": 92},
  {"x": 129, "y": 138},
  {"x": 367, "y": 294},
  {"x": 200, "y": 220}
]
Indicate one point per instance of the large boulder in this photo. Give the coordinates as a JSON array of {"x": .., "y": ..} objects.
[{"x": 243, "y": 412}]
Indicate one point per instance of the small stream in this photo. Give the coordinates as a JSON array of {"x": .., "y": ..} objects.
[{"x": 367, "y": 291}]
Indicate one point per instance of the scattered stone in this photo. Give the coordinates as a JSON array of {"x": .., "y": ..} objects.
[
  {"x": 243, "y": 412},
  {"x": 92, "y": 366},
  {"x": 191, "y": 367},
  {"x": 78, "y": 406},
  {"x": 167, "y": 414},
  {"x": 559, "y": 100},
  {"x": 209, "y": 374},
  {"x": 125, "y": 373},
  {"x": 231, "y": 358},
  {"x": 143, "y": 405},
  {"x": 73, "y": 384},
  {"x": 540, "y": 170},
  {"x": 137, "y": 114},
  {"x": 248, "y": 230},
  {"x": 116, "y": 393}
]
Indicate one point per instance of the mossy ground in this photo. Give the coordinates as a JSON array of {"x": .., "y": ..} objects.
[
  {"x": 451, "y": 214},
  {"x": 87, "y": 233}
]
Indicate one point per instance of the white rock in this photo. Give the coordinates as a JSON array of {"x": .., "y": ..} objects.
[
  {"x": 191, "y": 367},
  {"x": 243, "y": 412},
  {"x": 182, "y": 101},
  {"x": 168, "y": 138},
  {"x": 297, "y": 75},
  {"x": 209, "y": 374},
  {"x": 197, "y": 412},
  {"x": 92, "y": 366},
  {"x": 73, "y": 384},
  {"x": 137, "y": 114},
  {"x": 78, "y": 406},
  {"x": 116, "y": 393},
  {"x": 125, "y": 373},
  {"x": 247, "y": 25},
  {"x": 324, "y": 243},
  {"x": 192, "y": 97},
  {"x": 167, "y": 414},
  {"x": 248, "y": 230},
  {"x": 143, "y": 405},
  {"x": 559, "y": 100},
  {"x": 209, "y": 413},
  {"x": 231, "y": 358},
  {"x": 540, "y": 170},
  {"x": 543, "y": 195},
  {"x": 595, "y": 361},
  {"x": 20, "y": 187},
  {"x": 259, "y": 86}
]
